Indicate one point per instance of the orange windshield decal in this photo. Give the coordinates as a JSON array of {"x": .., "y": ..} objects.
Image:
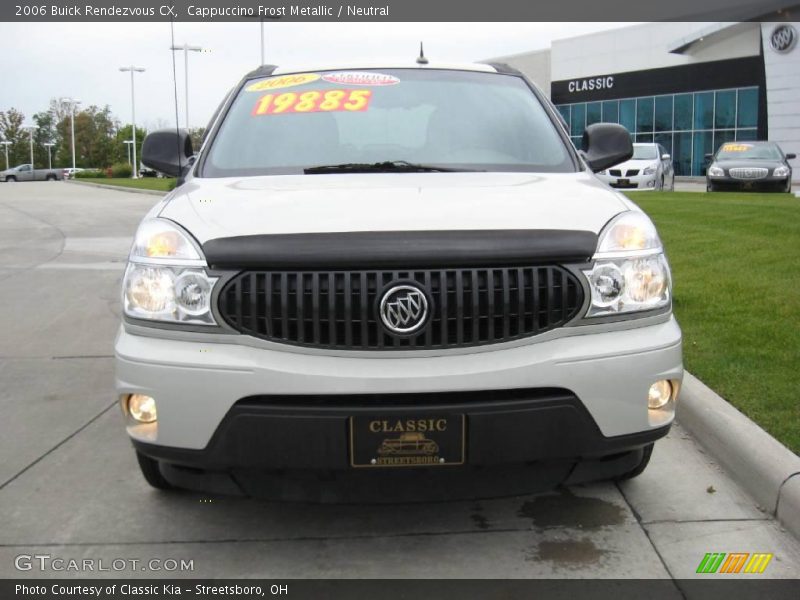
[
  {"x": 313, "y": 101},
  {"x": 284, "y": 81},
  {"x": 736, "y": 147}
]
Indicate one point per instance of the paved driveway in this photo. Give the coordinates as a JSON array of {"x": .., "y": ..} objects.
[{"x": 70, "y": 487}]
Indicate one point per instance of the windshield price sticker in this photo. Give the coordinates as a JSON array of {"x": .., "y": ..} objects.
[
  {"x": 736, "y": 147},
  {"x": 313, "y": 101},
  {"x": 360, "y": 78},
  {"x": 284, "y": 81}
]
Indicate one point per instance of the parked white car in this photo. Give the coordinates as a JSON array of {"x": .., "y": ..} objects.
[
  {"x": 650, "y": 168},
  {"x": 69, "y": 172},
  {"x": 367, "y": 270}
]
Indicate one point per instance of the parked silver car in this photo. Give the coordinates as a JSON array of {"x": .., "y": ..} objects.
[
  {"x": 650, "y": 168},
  {"x": 357, "y": 258}
]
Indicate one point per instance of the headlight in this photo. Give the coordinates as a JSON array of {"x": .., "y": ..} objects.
[
  {"x": 630, "y": 271},
  {"x": 166, "y": 278},
  {"x": 714, "y": 171},
  {"x": 650, "y": 170},
  {"x": 781, "y": 172}
]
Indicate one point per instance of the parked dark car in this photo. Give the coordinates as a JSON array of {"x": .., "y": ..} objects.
[{"x": 750, "y": 166}]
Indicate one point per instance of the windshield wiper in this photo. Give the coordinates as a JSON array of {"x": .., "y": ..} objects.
[{"x": 387, "y": 166}]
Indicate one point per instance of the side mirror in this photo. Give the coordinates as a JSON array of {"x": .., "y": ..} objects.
[
  {"x": 605, "y": 145},
  {"x": 791, "y": 155},
  {"x": 168, "y": 151},
  {"x": 709, "y": 156},
  {"x": 665, "y": 157}
]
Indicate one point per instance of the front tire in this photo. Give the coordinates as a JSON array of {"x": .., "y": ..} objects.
[
  {"x": 10, "y": 179},
  {"x": 710, "y": 187},
  {"x": 647, "y": 452},
  {"x": 151, "y": 471}
]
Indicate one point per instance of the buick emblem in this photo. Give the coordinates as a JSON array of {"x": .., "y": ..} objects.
[
  {"x": 783, "y": 38},
  {"x": 403, "y": 309}
]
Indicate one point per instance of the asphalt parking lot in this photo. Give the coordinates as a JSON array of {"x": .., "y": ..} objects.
[{"x": 70, "y": 486}]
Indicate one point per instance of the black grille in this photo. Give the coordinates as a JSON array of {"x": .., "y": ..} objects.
[
  {"x": 615, "y": 172},
  {"x": 338, "y": 309},
  {"x": 631, "y": 172}
]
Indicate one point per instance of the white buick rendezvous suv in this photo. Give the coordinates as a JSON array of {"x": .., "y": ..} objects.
[{"x": 394, "y": 274}]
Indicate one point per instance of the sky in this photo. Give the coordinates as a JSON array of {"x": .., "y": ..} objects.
[{"x": 82, "y": 60}]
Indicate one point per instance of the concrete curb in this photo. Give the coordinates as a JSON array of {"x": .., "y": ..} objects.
[
  {"x": 117, "y": 188},
  {"x": 768, "y": 470}
]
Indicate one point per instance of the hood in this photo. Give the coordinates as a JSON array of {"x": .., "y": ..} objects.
[
  {"x": 752, "y": 163},
  {"x": 218, "y": 208}
]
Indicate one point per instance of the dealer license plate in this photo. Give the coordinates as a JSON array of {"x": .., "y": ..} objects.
[{"x": 394, "y": 441}]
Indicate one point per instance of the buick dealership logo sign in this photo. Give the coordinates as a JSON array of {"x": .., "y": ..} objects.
[
  {"x": 783, "y": 38},
  {"x": 404, "y": 309}
]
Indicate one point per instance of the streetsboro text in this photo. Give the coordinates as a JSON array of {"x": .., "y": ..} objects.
[
  {"x": 167, "y": 589},
  {"x": 322, "y": 10}
]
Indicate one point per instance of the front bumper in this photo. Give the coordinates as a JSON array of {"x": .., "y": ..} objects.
[
  {"x": 226, "y": 404},
  {"x": 635, "y": 182},
  {"x": 726, "y": 182}
]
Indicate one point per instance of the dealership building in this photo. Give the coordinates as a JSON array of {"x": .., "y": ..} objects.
[{"x": 688, "y": 86}]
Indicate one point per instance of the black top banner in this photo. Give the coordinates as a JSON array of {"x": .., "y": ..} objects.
[{"x": 395, "y": 10}]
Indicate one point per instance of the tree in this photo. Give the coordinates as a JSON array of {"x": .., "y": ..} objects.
[
  {"x": 11, "y": 130},
  {"x": 121, "y": 148},
  {"x": 45, "y": 133},
  {"x": 95, "y": 138}
]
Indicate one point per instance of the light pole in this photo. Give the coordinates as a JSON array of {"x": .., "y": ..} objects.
[
  {"x": 73, "y": 103},
  {"x": 132, "y": 69},
  {"x": 262, "y": 41},
  {"x": 6, "y": 145},
  {"x": 49, "y": 158},
  {"x": 186, "y": 49},
  {"x": 128, "y": 146}
]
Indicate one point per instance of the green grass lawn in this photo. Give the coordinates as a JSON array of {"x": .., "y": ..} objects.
[
  {"x": 143, "y": 183},
  {"x": 735, "y": 262}
]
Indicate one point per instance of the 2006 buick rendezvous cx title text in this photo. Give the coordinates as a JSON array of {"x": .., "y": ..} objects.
[{"x": 374, "y": 273}]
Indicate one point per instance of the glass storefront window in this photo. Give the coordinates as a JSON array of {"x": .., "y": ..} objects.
[
  {"x": 665, "y": 139},
  {"x": 644, "y": 115},
  {"x": 664, "y": 113},
  {"x": 682, "y": 153},
  {"x": 747, "y": 109},
  {"x": 746, "y": 135},
  {"x": 627, "y": 114},
  {"x": 703, "y": 144},
  {"x": 725, "y": 110},
  {"x": 683, "y": 112},
  {"x": 565, "y": 112},
  {"x": 688, "y": 126},
  {"x": 594, "y": 113},
  {"x": 611, "y": 111},
  {"x": 704, "y": 110},
  {"x": 578, "y": 123}
]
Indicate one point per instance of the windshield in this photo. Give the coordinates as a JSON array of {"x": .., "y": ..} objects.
[
  {"x": 740, "y": 150},
  {"x": 456, "y": 120},
  {"x": 644, "y": 152}
]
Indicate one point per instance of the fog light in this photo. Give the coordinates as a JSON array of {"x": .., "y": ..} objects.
[
  {"x": 142, "y": 408},
  {"x": 659, "y": 394}
]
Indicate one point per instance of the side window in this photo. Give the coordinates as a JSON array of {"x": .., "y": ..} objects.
[{"x": 25, "y": 168}]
